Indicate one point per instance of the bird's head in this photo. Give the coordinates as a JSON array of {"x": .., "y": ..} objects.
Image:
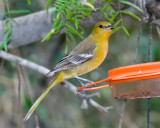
[{"x": 102, "y": 30}]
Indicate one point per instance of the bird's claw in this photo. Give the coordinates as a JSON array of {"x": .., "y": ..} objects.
[{"x": 84, "y": 89}]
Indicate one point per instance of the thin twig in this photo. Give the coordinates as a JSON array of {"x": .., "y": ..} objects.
[
  {"x": 42, "y": 70},
  {"x": 149, "y": 60},
  {"x": 122, "y": 113},
  {"x": 137, "y": 44},
  {"x": 86, "y": 98},
  {"x": 148, "y": 112},
  {"x": 158, "y": 31},
  {"x": 37, "y": 121},
  {"x": 150, "y": 41},
  {"x": 19, "y": 98}
]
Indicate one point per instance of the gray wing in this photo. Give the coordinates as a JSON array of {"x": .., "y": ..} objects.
[
  {"x": 70, "y": 61},
  {"x": 79, "y": 55}
]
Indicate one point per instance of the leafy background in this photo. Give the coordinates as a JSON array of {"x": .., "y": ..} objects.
[{"x": 61, "y": 108}]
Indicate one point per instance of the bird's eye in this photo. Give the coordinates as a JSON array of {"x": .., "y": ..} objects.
[{"x": 100, "y": 26}]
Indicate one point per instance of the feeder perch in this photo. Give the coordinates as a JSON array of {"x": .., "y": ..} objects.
[{"x": 133, "y": 81}]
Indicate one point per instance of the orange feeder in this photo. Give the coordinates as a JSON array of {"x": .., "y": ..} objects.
[{"x": 134, "y": 81}]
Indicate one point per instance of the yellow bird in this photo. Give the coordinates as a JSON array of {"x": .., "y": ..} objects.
[{"x": 85, "y": 57}]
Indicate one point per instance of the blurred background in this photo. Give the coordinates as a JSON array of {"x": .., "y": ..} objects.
[{"x": 61, "y": 108}]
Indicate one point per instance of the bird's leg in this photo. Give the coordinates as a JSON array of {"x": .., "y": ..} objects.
[
  {"x": 79, "y": 81},
  {"x": 86, "y": 80},
  {"x": 82, "y": 84}
]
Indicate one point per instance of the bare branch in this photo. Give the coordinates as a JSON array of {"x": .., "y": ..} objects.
[
  {"x": 73, "y": 89},
  {"x": 158, "y": 31},
  {"x": 23, "y": 62},
  {"x": 122, "y": 113},
  {"x": 20, "y": 124},
  {"x": 29, "y": 28},
  {"x": 138, "y": 41},
  {"x": 150, "y": 41},
  {"x": 149, "y": 60},
  {"x": 42, "y": 70},
  {"x": 103, "y": 110}
]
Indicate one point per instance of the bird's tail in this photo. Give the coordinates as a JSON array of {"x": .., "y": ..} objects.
[{"x": 57, "y": 79}]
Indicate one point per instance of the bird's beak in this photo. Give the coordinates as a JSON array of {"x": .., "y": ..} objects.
[{"x": 110, "y": 27}]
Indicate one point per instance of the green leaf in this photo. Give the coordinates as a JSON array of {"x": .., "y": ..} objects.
[
  {"x": 107, "y": 18},
  {"x": 7, "y": 34},
  {"x": 114, "y": 16},
  {"x": 16, "y": 12},
  {"x": 47, "y": 37},
  {"x": 48, "y": 4},
  {"x": 118, "y": 22},
  {"x": 71, "y": 36},
  {"x": 29, "y": 2},
  {"x": 5, "y": 48},
  {"x": 7, "y": 25},
  {"x": 71, "y": 29},
  {"x": 4, "y": 43},
  {"x": 58, "y": 28},
  {"x": 55, "y": 15},
  {"x": 56, "y": 22},
  {"x": 121, "y": 27},
  {"x": 131, "y": 4},
  {"x": 125, "y": 30},
  {"x": 116, "y": 29},
  {"x": 7, "y": 39},
  {"x": 1, "y": 46},
  {"x": 27, "y": 101},
  {"x": 131, "y": 14}
]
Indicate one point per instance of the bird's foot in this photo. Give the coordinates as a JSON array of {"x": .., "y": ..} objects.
[
  {"x": 86, "y": 85},
  {"x": 84, "y": 89}
]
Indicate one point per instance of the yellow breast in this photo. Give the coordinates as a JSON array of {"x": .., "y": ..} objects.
[{"x": 99, "y": 56}]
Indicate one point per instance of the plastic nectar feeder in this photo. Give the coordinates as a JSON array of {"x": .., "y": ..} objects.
[{"x": 134, "y": 81}]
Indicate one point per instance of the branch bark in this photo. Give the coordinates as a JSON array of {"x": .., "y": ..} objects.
[{"x": 29, "y": 28}]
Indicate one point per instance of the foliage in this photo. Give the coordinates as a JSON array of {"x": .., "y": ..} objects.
[
  {"x": 29, "y": 2},
  {"x": 67, "y": 14},
  {"x": 8, "y": 31},
  {"x": 7, "y": 37},
  {"x": 111, "y": 15},
  {"x": 7, "y": 14},
  {"x": 130, "y": 4}
]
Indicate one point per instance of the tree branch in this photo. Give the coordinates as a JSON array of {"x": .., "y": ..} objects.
[
  {"x": 122, "y": 113},
  {"x": 29, "y": 28},
  {"x": 42, "y": 70}
]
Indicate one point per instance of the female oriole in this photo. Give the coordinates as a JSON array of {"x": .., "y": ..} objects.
[{"x": 85, "y": 57}]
